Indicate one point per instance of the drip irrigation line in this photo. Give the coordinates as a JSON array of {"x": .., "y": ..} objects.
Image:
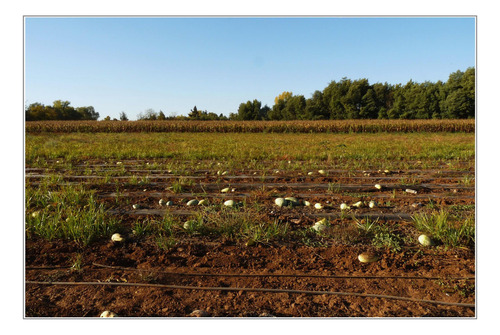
[
  {"x": 297, "y": 185},
  {"x": 247, "y": 289},
  {"x": 333, "y": 215},
  {"x": 235, "y": 177},
  {"x": 47, "y": 267},
  {"x": 276, "y": 274}
]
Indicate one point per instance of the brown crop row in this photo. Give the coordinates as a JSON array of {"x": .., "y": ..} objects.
[{"x": 328, "y": 126}]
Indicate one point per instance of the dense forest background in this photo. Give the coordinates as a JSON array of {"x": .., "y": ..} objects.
[{"x": 346, "y": 99}]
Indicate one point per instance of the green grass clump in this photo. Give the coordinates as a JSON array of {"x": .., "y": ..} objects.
[
  {"x": 165, "y": 242},
  {"x": 70, "y": 213},
  {"x": 162, "y": 231},
  {"x": 449, "y": 230},
  {"x": 381, "y": 235},
  {"x": 232, "y": 224}
]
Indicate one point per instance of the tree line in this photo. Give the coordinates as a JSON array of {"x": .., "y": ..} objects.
[
  {"x": 60, "y": 110},
  {"x": 346, "y": 99},
  {"x": 357, "y": 99},
  {"x": 194, "y": 114}
]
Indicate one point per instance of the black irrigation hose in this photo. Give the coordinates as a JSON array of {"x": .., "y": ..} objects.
[
  {"x": 276, "y": 274},
  {"x": 47, "y": 267},
  {"x": 246, "y": 289}
]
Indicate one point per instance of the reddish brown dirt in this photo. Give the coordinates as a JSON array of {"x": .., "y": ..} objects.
[
  {"x": 215, "y": 256},
  {"x": 203, "y": 256}
]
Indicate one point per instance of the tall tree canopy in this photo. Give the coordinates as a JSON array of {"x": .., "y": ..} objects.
[
  {"x": 60, "y": 110},
  {"x": 345, "y": 99},
  {"x": 358, "y": 99}
]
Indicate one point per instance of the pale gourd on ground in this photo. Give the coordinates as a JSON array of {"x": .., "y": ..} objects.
[
  {"x": 320, "y": 226},
  {"x": 318, "y": 205},
  {"x": 292, "y": 200},
  {"x": 280, "y": 202},
  {"x": 368, "y": 257},
  {"x": 117, "y": 237},
  {"x": 199, "y": 313},
  {"x": 358, "y": 204},
  {"x": 425, "y": 240},
  {"x": 108, "y": 314}
]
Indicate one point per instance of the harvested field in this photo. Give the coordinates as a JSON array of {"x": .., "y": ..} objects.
[{"x": 253, "y": 258}]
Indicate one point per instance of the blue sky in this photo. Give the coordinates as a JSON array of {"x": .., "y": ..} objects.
[{"x": 172, "y": 64}]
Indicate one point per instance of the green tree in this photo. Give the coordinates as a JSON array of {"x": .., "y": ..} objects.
[
  {"x": 399, "y": 103},
  {"x": 458, "y": 105},
  {"x": 36, "y": 111},
  {"x": 60, "y": 110},
  {"x": 194, "y": 114},
  {"x": 123, "y": 116},
  {"x": 294, "y": 109},
  {"x": 427, "y": 101},
  {"x": 264, "y": 112},
  {"x": 459, "y": 95},
  {"x": 161, "y": 116},
  {"x": 64, "y": 111},
  {"x": 353, "y": 99},
  {"x": 333, "y": 95},
  {"x": 87, "y": 113},
  {"x": 149, "y": 114},
  {"x": 369, "y": 105},
  {"x": 384, "y": 96},
  {"x": 276, "y": 111},
  {"x": 316, "y": 108},
  {"x": 249, "y": 110},
  {"x": 410, "y": 95}
]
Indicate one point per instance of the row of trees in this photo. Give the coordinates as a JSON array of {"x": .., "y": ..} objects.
[
  {"x": 194, "y": 114},
  {"x": 357, "y": 99},
  {"x": 346, "y": 99},
  {"x": 60, "y": 110}
]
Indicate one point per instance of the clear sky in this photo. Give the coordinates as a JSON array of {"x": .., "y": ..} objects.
[{"x": 174, "y": 63}]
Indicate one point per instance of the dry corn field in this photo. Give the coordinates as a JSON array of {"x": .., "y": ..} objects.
[
  {"x": 323, "y": 126},
  {"x": 276, "y": 224}
]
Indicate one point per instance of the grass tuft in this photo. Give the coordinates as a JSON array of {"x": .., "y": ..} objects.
[
  {"x": 69, "y": 213},
  {"x": 447, "y": 229}
]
